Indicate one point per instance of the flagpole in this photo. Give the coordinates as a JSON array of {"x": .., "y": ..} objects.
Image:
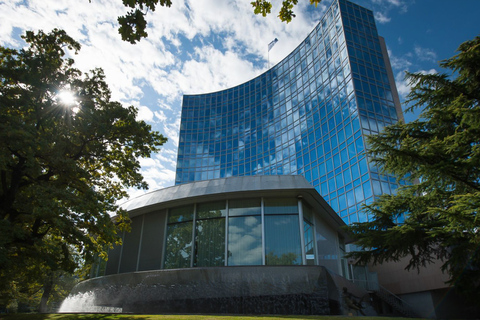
[{"x": 270, "y": 45}]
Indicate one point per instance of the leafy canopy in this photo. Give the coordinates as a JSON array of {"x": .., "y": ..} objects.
[
  {"x": 285, "y": 14},
  {"x": 63, "y": 165},
  {"x": 440, "y": 155},
  {"x": 133, "y": 24}
]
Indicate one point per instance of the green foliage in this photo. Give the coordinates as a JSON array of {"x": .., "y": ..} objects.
[
  {"x": 133, "y": 24},
  {"x": 25, "y": 293},
  {"x": 262, "y": 7},
  {"x": 62, "y": 167},
  {"x": 440, "y": 154},
  {"x": 285, "y": 14},
  {"x": 286, "y": 259}
]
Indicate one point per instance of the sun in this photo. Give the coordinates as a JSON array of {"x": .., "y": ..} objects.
[{"x": 66, "y": 97}]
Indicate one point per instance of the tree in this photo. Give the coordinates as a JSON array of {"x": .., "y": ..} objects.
[
  {"x": 63, "y": 164},
  {"x": 285, "y": 259},
  {"x": 440, "y": 155},
  {"x": 133, "y": 24},
  {"x": 285, "y": 14}
]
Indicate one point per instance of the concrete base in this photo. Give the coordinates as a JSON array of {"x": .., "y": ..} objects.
[{"x": 305, "y": 290}]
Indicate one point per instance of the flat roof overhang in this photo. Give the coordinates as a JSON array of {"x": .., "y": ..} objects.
[{"x": 236, "y": 188}]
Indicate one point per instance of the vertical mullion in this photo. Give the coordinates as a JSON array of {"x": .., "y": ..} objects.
[
  {"x": 140, "y": 243},
  {"x": 121, "y": 252},
  {"x": 226, "y": 233},
  {"x": 302, "y": 232},
  {"x": 164, "y": 253},
  {"x": 262, "y": 213},
  {"x": 192, "y": 249}
]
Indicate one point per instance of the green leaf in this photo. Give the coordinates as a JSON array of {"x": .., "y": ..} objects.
[{"x": 61, "y": 172}]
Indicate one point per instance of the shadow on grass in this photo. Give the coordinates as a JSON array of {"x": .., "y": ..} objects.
[
  {"x": 107, "y": 316},
  {"x": 71, "y": 316}
]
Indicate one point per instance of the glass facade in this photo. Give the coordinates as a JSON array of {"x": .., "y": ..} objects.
[
  {"x": 259, "y": 232},
  {"x": 237, "y": 221},
  {"x": 307, "y": 115}
]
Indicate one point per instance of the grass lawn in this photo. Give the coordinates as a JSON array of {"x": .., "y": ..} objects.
[{"x": 106, "y": 316}]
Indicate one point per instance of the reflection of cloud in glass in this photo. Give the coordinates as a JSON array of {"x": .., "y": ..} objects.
[
  {"x": 244, "y": 211},
  {"x": 281, "y": 222},
  {"x": 245, "y": 241},
  {"x": 282, "y": 239},
  {"x": 252, "y": 221}
]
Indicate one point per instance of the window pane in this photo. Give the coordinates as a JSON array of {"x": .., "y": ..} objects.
[
  {"x": 179, "y": 245},
  {"x": 244, "y": 241},
  {"x": 307, "y": 213},
  {"x": 282, "y": 240},
  {"x": 210, "y": 243},
  {"x": 244, "y": 207},
  {"x": 211, "y": 210},
  {"x": 281, "y": 206},
  {"x": 180, "y": 214},
  {"x": 309, "y": 243}
]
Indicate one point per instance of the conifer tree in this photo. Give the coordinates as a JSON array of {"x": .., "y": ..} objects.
[{"x": 439, "y": 154}]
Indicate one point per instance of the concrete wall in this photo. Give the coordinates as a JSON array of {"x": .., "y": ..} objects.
[
  {"x": 328, "y": 250},
  {"x": 394, "y": 277},
  {"x": 258, "y": 290},
  {"x": 142, "y": 247}
]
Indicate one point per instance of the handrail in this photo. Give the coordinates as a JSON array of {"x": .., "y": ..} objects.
[{"x": 400, "y": 304}]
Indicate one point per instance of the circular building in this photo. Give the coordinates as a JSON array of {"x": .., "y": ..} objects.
[{"x": 256, "y": 244}]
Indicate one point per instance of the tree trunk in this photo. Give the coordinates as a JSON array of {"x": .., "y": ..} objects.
[{"x": 47, "y": 289}]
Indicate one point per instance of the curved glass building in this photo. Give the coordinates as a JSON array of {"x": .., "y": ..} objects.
[
  {"x": 307, "y": 115},
  {"x": 268, "y": 174},
  {"x": 237, "y": 221},
  {"x": 256, "y": 244}
]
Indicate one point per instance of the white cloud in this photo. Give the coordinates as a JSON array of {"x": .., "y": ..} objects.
[
  {"x": 381, "y": 17},
  {"x": 212, "y": 70},
  {"x": 383, "y": 8},
  {"x": 403, "y": 86},
  {"x": 195, "y": 46},
  {"x": 425, "y": 54},
  {"x": 145, "y": 114},
  {"x": 172, "y": 131},
  {"x": 160, "y": 115},
  {"x": 395, "y": 3},
  {"x": 431, "y": 71},
  {"x": 399, "y": 63}
]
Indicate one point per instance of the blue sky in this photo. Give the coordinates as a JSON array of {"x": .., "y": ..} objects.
[{"x": 199, "y": 46}]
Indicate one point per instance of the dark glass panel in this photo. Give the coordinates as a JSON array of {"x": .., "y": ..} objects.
[
  {"x": 180, "y": 214},
  {"x": 307, "y": 213},
  {"x": 153, "y": 238},
  {"x": 281, "y": 206},
  {"x": 179, "y": 245},
  {"x": 210, "y": 243},
  {"x": 211, "y": 210},
  {"x": 131, "y": 244},
  {"x": 244, "y": 241},
  {"x": 309, "y": 242},
  {"x": 113, "y": 260},
  {"x": 282, "y": 240},
  {"x": 244, "y": 207}
]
